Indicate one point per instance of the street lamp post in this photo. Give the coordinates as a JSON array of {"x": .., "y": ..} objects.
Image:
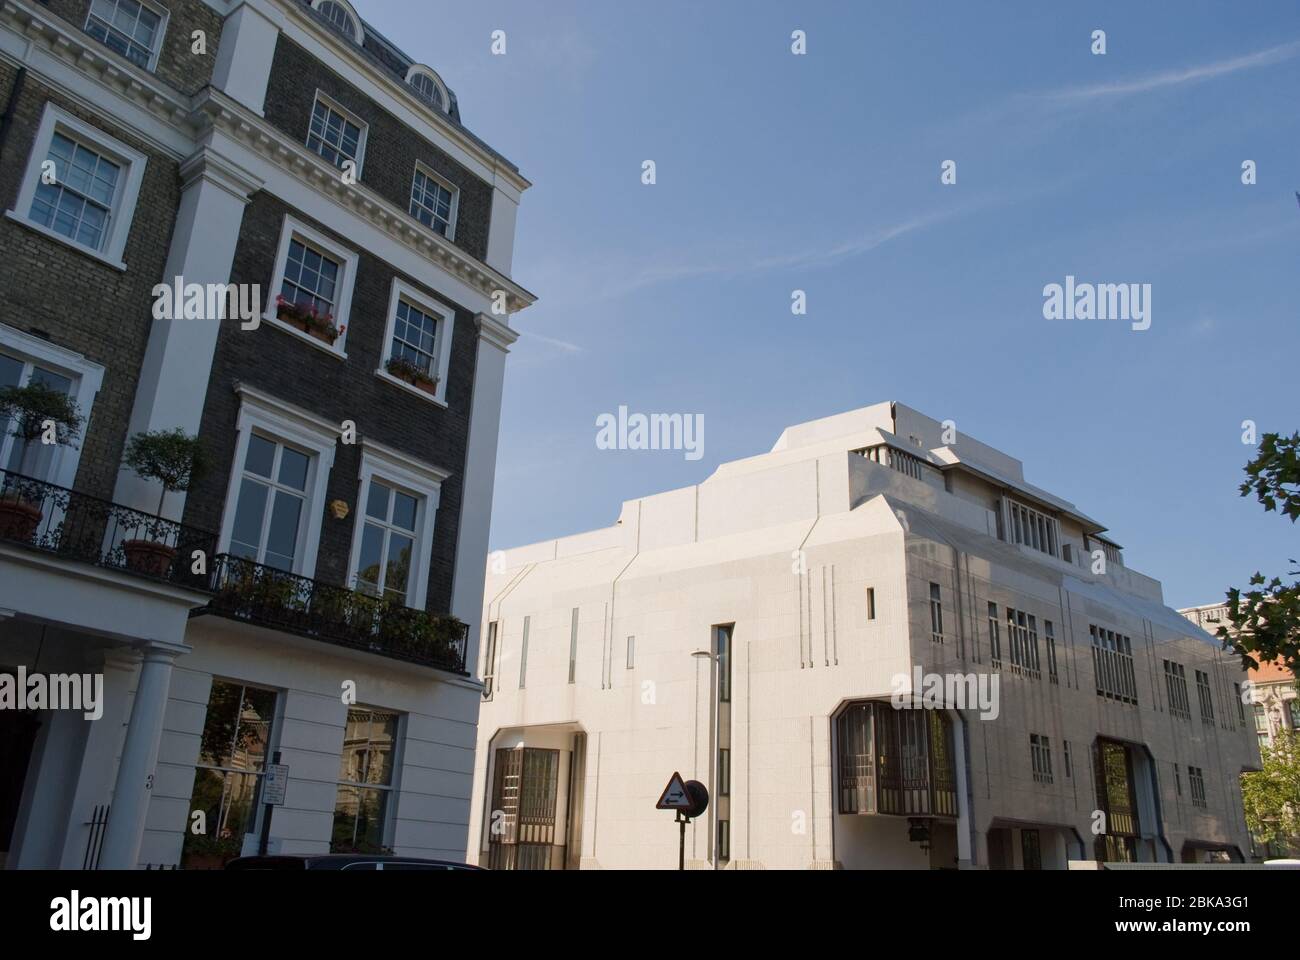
[{"x": 713, "y": 751}]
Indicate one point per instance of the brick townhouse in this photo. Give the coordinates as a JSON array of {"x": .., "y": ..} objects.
[{"x": 316, "y": 592}]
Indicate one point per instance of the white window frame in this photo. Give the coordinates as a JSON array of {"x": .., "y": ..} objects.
[
  {"x": 415, "y": 478},
  {"x": 86, "y": 377},
  {"x": 122, "y": 211},
  {"x": 419, "y": 69},
  {"x": 332, "y": 104},
  {"x": 297, "y": 428},
  {"x": 453, "y": 215},
  {"x": 343, "y": 295},
  {"x": 358, "y": 32},
  {"x": 164, "y": 17},
  {"x": 446, "y": 317}
]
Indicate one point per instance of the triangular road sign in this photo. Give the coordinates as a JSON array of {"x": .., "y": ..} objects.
[{"x": 674, "y": 796}]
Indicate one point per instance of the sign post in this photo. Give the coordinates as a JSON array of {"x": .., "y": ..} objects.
[
  {"x": 689, "y": 799},
  {"x": 274, "y": 784}
]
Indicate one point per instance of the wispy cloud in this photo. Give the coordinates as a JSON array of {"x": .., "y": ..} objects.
[
  {"x": 612, "y": 277},
  {"x": 564, "y": 346},
  {"x": 1176, "y": 78}
]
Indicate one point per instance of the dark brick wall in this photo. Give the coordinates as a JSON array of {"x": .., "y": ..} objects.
[
  {"x": 392, "y": 147},
  {"x": 82, "y": 303},
  {"x": 279, "y": 364},
  {"x": 178, "y": 66}
]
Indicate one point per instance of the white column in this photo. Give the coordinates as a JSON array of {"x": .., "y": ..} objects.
[
  {"x": 178, "y": 359},
  {"x": 94, "y": 784},
  {"x": 243, "y": 67},
  {"x": 135, "y": 772},
  {"x": 501, "y": 227},
  {"x": 494, "y": 339},
  {"x": 964, "y": 861}
]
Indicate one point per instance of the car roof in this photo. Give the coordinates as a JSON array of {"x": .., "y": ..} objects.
[{"x": 336, "y": 861}]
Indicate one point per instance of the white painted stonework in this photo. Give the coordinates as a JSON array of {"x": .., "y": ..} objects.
[{"x": 727, "y": 551}]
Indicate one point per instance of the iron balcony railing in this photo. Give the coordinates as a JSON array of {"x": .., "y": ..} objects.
[
  {"x": 268, "y": 597},
  {"x": 76, "y": 526}
]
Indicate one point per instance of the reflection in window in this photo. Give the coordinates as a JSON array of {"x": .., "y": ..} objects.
[
  {"x": 232, "y": 758},
  {"x": 431, "y": 203},
  {"x": 414, "y": 336},
  {"x": 125, "y": 26},
  {"x": 310, "y": 278},
  {"x": 365, "y": 782},
  {"x": 16, "y": 455},
  {"x": 333, "y": 136},
  {"x": 272, "y": 494},
  {"x": 387, "y": 542},
  {"x": 80, "y": 201}
]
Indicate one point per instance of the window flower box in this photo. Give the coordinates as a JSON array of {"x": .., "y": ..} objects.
[
  {"x": 307, "y": 318},
  {"x": 405, "y": 370}
]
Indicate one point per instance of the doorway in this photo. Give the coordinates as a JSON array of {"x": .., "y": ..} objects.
[{"x": 18, "y": 729}]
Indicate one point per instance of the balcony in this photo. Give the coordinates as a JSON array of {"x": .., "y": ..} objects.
[
  {"x": 74, "y": 526},
  {"x": 897, "y": 762},
  {"x": 268, "y": 597}
]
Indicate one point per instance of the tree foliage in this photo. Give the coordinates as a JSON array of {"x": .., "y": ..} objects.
[
  {"x": 30, "y": 407},
  {"x": 172, "y": 457},
  {"x": 1264, "y": 619},
  {"x": 1271, "y": 796}
]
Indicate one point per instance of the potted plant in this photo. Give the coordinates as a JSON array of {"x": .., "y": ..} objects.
[
  {"x": 176, "y": 460},
  {"x": 308, "y": 318},
  {"x": 404, "y": 369},
  {"x": 35, "y": 410}
]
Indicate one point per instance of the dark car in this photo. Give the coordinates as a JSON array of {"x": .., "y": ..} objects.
[{"x": 344, "y": 861}]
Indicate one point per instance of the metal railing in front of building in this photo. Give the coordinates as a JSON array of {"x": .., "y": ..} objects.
[
  {"x": 270, "y": 597},
  {"x": 76, "y": 526}
]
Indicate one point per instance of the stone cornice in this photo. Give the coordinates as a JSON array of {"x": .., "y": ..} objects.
[
  {"x": 207, "y": 164},
  {"x": 495, "y": 332},
  {"x": 217, "y": 111}
]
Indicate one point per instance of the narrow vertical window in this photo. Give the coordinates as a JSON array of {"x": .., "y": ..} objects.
[
  {"x": 724, "y": 772},
  {"x": 936, "y": 614},
  {"x": 871, "y": 603},
  {"x": 573, "y": 644},
  {"x": 489, "y": 661},
  {"x": 1050, "y": 632},
  {"x": 995, "y": 640},
  {"x": 523, "y": 655},
  {"x": 724, "y": 663},
  {"x": 631, "y": 652}
]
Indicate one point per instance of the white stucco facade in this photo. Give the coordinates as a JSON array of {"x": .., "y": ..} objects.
[{"x": 821, "y": 558}]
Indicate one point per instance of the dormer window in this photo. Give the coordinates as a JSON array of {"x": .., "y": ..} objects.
[
  {"x": 428, "y": 87},
  {"x": 341, "y": 17}
]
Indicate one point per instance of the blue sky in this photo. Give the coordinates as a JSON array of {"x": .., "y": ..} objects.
[{"x": 821, "y": 172}]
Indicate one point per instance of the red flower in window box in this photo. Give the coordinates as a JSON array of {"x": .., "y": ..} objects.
[
  {"x": 406, "y": 370},
  {"x": 308, "y": 318}
]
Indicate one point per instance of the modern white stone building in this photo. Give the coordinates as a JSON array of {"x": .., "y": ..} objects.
[{"x": 811, "y": 582}]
